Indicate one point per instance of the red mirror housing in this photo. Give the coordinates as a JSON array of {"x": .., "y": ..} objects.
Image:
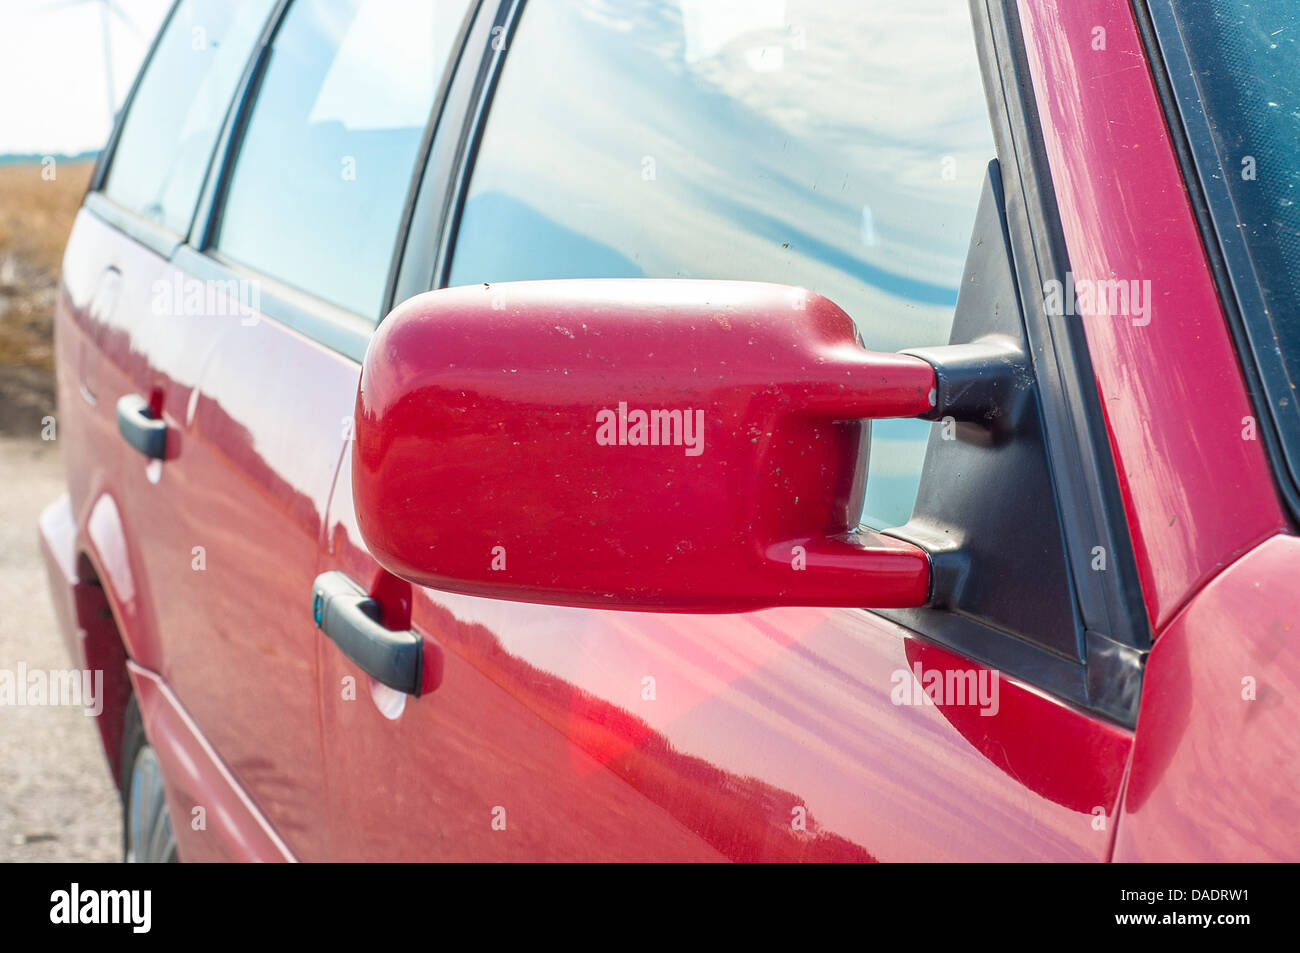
[{"x": 639, "y": 444}]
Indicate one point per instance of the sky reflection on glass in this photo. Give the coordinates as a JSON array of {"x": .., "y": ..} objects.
[{"x": 836, "y": 145}]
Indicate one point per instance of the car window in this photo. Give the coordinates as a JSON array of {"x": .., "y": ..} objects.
[
  {"x": 166, "y": 142},
  {"x": 1242, "y": 82},
  {"x": 836, "y": 144},
  {"x": 321, "y": 178}
]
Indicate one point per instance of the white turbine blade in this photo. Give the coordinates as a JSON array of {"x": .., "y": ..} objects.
[
  {"x": 121, "y": 15},
  {"x": 108, "y": 64}
]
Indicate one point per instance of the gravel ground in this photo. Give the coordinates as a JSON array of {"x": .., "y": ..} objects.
[{"x": 57, "y": 801}]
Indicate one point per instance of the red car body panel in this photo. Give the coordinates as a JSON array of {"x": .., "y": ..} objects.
[
  {"x": 240, "y": 489},
  {"x": 213, "y": 817},
  {"x": 761, "y": 736},
  {"x": 1172, "y": 388},
  {"x": 1214, "y": 773},
  {"x": 542, "y": 711},
  {"x": 89, "y": 380},
  {"x": 240, "y": 500}
]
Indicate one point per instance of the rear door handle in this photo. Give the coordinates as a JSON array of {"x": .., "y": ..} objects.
[
  {"x": 344, "y": 612},
  {"x": 142, "y": 430}
]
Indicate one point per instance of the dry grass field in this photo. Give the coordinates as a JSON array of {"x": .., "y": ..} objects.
[
  {"x": 35, "y": 218},
  {"x": 36, "y": 215}
]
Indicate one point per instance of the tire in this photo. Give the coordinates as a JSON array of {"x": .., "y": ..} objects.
[{"x": 147, "y": 836}]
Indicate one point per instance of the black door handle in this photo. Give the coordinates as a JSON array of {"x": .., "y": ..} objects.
[
  {"x": 351, "y": 619},
  {"x": 142, "y": 430}
]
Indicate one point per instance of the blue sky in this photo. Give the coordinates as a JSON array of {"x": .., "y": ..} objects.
[{"x": 52, "y": 69}]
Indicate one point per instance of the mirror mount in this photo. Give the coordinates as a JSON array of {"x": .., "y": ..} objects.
[{"x": 986, "y": 382}]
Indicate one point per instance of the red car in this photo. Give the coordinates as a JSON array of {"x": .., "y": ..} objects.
[{"x": 843, "y": 431}]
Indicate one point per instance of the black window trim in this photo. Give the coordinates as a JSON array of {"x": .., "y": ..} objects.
[
  {"x": 1104, "y": 674},
  {"x": 437, "y": 196},
  {"x": 1116, "y": 631},
  {"x": 442, "y": 101},
  {"x": 202, "y": 228}
]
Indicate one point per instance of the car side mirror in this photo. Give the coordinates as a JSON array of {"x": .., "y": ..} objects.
[{"x": 665, "y": 445}]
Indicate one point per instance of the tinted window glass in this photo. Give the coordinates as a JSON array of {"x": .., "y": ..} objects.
[
  {"x": 162, "y": 155},
  {"x": 1247, "y": 61},
  {"x": 321, "y": 180},
  {"x": 836, "y": 145},
  {"x": 1243, "y": 82}
]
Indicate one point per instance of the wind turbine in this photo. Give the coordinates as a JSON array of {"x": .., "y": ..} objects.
[{"x": 107, "y": 10}]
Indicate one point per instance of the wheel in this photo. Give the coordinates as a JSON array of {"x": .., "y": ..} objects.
[{"x": 147, "y": 836}]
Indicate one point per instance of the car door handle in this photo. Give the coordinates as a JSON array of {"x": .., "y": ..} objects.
[
  {"x": 352, "y": 620},
  {"x": 142, "y": 430}
]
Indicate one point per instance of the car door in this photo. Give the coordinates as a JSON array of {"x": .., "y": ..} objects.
[
  {"x": 248, "y": 349},
  {"x": 196, "y": 522},
  {"x": 847, "y": 148}
]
